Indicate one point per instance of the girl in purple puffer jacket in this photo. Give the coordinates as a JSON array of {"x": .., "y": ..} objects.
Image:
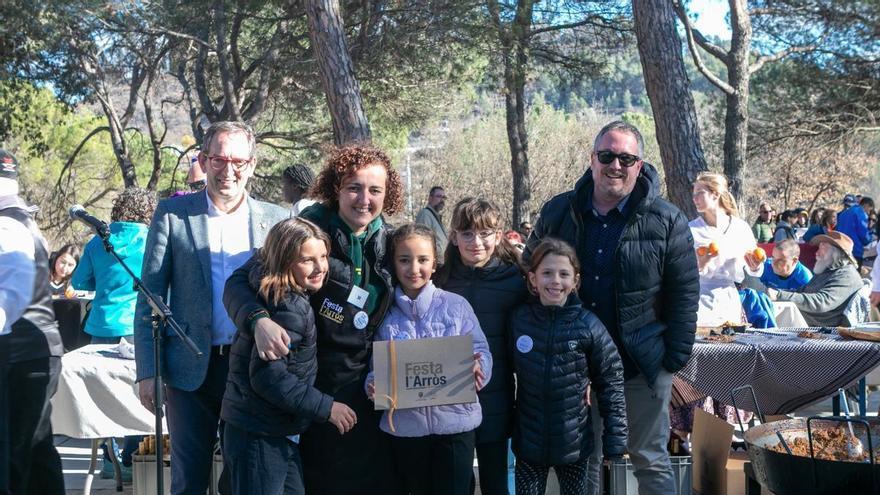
[{"x": 433, "y": 447}]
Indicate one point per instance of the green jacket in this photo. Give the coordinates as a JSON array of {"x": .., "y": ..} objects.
[{"x": 763, "y": 231}]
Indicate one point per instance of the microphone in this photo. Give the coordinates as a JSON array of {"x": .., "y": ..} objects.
[{"x": 77, "y": 212}]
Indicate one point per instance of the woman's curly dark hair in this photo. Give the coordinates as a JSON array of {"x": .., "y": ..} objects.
[
  {"x": 134, "y": 205},
  {"x": 347, "y": 160}
]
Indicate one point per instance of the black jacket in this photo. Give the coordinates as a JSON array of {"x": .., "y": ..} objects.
[
  {"x": 35, "y": 335},
  {"x": 344, "y": 352},
  {"x": 557, "y": 352},
  {"x": 493, "y": 291},
  {"x": 276, "y": 398},
  {"x": 657, "y": 286}
]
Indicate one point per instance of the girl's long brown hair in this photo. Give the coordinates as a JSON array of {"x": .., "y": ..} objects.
[
  {"x": 475, "y": 214},
  {"x": 72, "y": 250},
  {"x": 278, "y": 254},
  {"x": 405, "y": 232},
  {"x": 551, "y": 245}
]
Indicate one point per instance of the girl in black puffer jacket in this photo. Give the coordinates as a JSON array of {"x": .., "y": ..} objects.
[
  {"x": 267, "y": 404},
  {"x": 483, "y": 267},
  {"x": 560, "y": 348}
]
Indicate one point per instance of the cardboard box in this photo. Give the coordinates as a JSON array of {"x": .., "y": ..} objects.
[
  {"x": 717, "y": 471},
  {"x": 736, "y": 475},
  {"x": 424, "y": 372},
  {"x": 710, "y": 446}
]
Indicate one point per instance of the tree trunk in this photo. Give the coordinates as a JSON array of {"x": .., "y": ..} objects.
[
  {"x": 120, "y": 146},
  {"x": 666, "y": 82},
  {"x": 326, "y": 31},
  {"x": 736, "y": 120},
  {"x": 514, "y": 41},
  {"x": 517, "y": 139}
]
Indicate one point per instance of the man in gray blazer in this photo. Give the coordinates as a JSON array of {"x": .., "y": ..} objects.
[{"x": 195, "y": 242}]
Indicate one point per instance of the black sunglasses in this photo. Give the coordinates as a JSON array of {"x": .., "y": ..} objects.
[
  {"x": 197, "y": 185},
  {"x": 625, "y": 159}
]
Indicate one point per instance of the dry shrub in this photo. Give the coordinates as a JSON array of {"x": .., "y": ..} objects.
[{"x": 475, "y": 160}]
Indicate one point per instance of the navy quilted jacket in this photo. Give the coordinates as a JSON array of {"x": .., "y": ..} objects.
[
  {"x": 493, "y": 291},
  {"x": 557, "y": 352},
  {"x": 276, "y": 398},
  {"x": 657, "y": 286}
]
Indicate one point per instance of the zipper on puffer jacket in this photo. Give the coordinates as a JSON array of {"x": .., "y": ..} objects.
[
  {"x": 548, "y": 358},
  {"x": 630, "y": 222}
]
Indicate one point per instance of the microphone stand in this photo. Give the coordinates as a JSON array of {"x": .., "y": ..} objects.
[{"x": 161, "y": 319}]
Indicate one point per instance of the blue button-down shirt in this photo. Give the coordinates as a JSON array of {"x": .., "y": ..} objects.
[{"x": 601, "y": 238}]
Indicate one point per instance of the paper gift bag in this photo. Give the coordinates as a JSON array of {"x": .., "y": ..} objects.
[{"x": 424, "y": 372}]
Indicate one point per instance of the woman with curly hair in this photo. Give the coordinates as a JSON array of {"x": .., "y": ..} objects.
[
  {"x": 356, "y": 186},
  {"x": 112, "y": 315}
]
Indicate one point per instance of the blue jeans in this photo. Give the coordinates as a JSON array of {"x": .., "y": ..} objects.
[
  {"x": 261, "y": 465},
  {"x": 129, "y": 443},
  {"x": 193, "y": 422}
]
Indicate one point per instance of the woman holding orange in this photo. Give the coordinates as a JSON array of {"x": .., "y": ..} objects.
[{"x": 726, "y": 251}]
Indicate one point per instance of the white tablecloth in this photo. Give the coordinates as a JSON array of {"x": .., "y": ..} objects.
[
  {"x": 788, "y": 315},
  {"x": 97, "y": 396}
]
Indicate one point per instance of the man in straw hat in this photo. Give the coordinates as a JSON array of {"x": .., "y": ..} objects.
[{"x": 823, "y": 300}]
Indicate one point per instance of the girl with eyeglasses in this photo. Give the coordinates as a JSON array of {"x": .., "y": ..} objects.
[{"x": 482, "y": 266}]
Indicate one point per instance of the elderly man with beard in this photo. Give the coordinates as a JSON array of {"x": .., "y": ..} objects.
[{"x": 823, "y": 300}]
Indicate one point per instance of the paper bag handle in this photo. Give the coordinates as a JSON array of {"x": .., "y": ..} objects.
[{"x": 392, "y": 354}]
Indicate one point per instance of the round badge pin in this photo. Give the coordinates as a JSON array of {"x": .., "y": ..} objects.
[
  {"x": 524, "y": 344},
  {"x": 361, "y": 319}
]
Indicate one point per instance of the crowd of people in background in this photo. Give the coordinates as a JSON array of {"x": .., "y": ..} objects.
[{"x": 578, "y": 321}]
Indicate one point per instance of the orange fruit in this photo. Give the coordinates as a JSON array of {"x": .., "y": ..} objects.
[
  {"x": 759, "y": 254},
  {"x": 713, "y": 249},
  {"x": 702, "y": 251}
]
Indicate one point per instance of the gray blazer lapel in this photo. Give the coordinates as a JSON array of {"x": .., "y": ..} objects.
[
  {"x": 259, "y": 226},
  {"x": 197, "y": 216}
]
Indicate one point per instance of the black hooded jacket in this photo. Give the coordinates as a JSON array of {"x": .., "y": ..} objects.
[
  {"x": 557, "y": 351},
  {"x": 276, "y": 398},
  {"x": 657, "y": 285},
  {"x": 344, "y": 351},
  {"x": 493, "y": 291}
]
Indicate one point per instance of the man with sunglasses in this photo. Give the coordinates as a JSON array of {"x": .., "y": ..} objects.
[
  {"x": 194, "y": 243},
  {"x": 764, "y": 226},
  {"x": 196, "y": 179},
  {"x": 640, "y": 277}
]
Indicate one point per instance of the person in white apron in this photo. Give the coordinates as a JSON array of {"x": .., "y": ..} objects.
[{"x": 725, "y": 249}]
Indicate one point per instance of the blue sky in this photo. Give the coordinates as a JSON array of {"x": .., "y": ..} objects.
[{"x": 710, "y": 17}]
